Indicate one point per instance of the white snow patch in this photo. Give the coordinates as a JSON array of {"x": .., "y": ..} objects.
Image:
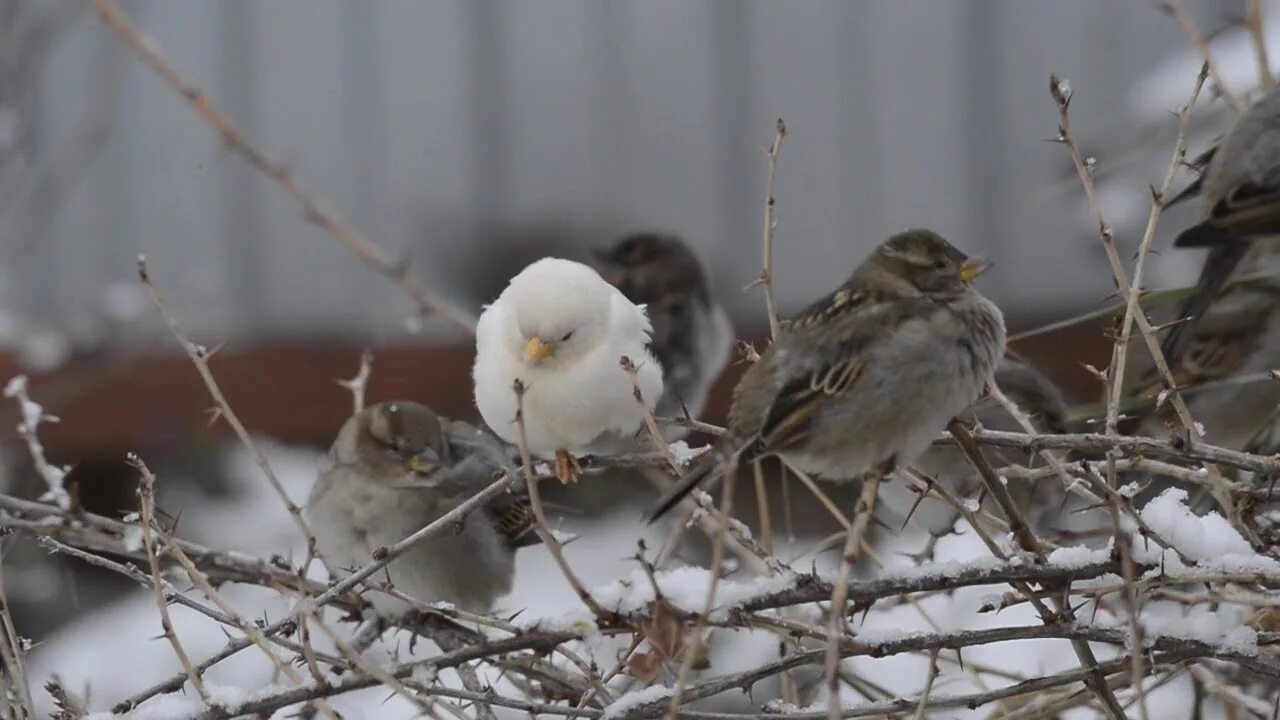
[
  {"x": 1077, "y": 556},
  {"x": 635, "y": 699},
  {"x": 1207, "y": 539},
  {"x": 684, "y": 454}
]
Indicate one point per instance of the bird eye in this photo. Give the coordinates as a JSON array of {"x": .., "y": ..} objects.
[
  {"x": 566, "y": 336},
  {"x": 939, "y": 264}
]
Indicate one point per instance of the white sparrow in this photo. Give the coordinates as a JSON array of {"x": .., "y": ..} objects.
[
  {"x": 396, "y": 467},
  {"x": 867, "y": 377},
  {"x": 692, "y": 335},
  {"x": 1240, "y": 186},
  {"x": 561, "y": 330},
  {"x": 1036, "y": 396}
]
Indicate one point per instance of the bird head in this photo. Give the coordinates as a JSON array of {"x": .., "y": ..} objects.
[
  {"x": 400, "y": 443},
  {"x": 559, "y": 311},
  {"x": 921, "y": 262},
  {"x": 650, "y": 267}
]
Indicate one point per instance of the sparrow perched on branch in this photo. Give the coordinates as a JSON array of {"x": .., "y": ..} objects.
[
  {"x": 396, "y": 467},
  {"x": 867, "y": 377},
  {"x": 561, "y": 330},
  {"x": 692, "y": 335},
  {"x": 1035, "y": 395},
  {"x": 1241, "y": 188}
]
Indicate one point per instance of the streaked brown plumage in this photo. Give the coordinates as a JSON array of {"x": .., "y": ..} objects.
[
  {"x": 1240, "y": 186},
  {"x": 869, "y": 375}
]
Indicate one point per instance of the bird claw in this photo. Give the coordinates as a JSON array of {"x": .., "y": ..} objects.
[{"x": 568, "y": 469}]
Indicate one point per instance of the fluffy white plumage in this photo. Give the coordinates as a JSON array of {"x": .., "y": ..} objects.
[{"x": 562, "y": 330}]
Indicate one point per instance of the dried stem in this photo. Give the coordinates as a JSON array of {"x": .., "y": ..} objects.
[
  {"x": 32, "y": 416},
  {"x": 1121, "y": 346},
  {"x": 1175, "y": 9},
  {"x": 646, "y": 411},
  {"x": 1253, "y": 21},
  {"x": 146, "y": 520},
  {"x": 13, "y": 653},
  {"x": 542, "y": 527},
  {"x": 928, "y": 686},
  {"x": 374, "y": 256},
  {"x": 848, "y": 559},
  {"x": 695, "y": 647},
  {"x": 770, "y": 227},
  {"x": 199, "y": 356},
  {"x": 258, "y": 637},
  {"x": 358, "y": 383}
]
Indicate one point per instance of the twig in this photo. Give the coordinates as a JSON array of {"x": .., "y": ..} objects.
[
  {"x": 377, "y": 258},
  {"x": 1174, "y": 8},
  {"x": 101, "y": 534},
  {"x": 364, "y": 666},
  {"x": 1253, "y": 21},
  {"x": 199, "y": 356},
  {"x": 1121, "y": 345},
  {"x": 1017, "y": 523},
  {"x": 544, "y": 641},
  {"x": 1178, "y": 648},
  {"x": 1030, "y": 543},
  {"x": 32, "y": 416},
  {"x": 249, "y": 629},
  {"x": 146, "y": 518},
  {"x": 770, "y": 227},
  {"x": 695, "y": 647},
  {"x": 646, "y": 412},
  {"x": 928, "y": 686},
  {"x": 12, "y": 651},
  {"x": 358, "y": 383},
  {"x": 835, "y": 621},
  {"x": 542, "y": 527}
]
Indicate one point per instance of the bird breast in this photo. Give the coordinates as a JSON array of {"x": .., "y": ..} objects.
[{"x": 931, "y": 370}]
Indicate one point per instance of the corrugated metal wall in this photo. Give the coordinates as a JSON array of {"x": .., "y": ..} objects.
[{"x": 471, "y": 136}]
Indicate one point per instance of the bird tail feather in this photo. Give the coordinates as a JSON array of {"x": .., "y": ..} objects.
[{"x": 714, "y": 460}]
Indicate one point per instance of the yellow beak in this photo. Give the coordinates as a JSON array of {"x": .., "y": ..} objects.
[
  {"x": 973, "y": 267},
  {"x": 535, "y": 351},
  {"x": 420, "y": 466}
]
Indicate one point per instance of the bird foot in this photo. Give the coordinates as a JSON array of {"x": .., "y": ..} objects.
[{"x": 568, "y": 469}]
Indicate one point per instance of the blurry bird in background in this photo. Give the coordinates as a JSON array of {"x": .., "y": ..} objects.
[
  {"x": 1240, "y": 187},
  {"x": 396, "y": 467},
  {"x": 867, "y": 377},
  {"x": 561, "y": 330},
  {"x": 1235, "y": 342},
  {"x": 692, "y": 335},
  {"x": 1036, "y": 396}
]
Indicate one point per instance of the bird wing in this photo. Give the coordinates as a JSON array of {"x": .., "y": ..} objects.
[
  {"x": 843, "y": 331},
  {"x": 1252, "y": 207},
  {"x": 1219, "y": 265},
  {"x": 1198, "y": 164}
]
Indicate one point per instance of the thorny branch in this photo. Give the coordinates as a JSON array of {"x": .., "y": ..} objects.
[
  {"x": 426, "y": 299},
  {"x": 808, "y": 612}
]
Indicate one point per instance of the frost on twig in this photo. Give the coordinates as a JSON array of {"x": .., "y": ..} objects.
[{"x": 32, "y": 416}]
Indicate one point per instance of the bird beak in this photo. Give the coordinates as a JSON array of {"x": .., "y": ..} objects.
[
  {"x": 972, "y": 267},
  {"x": 421, "y": 466},
  {"x": 535, "y": 350}
]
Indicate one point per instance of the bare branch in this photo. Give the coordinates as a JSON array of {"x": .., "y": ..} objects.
[
  {"x": 315, "y": 211},
  {"x": 1175, "y": 9}
]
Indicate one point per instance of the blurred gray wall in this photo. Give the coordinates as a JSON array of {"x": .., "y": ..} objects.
[{"x": 472, "y": 136}]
